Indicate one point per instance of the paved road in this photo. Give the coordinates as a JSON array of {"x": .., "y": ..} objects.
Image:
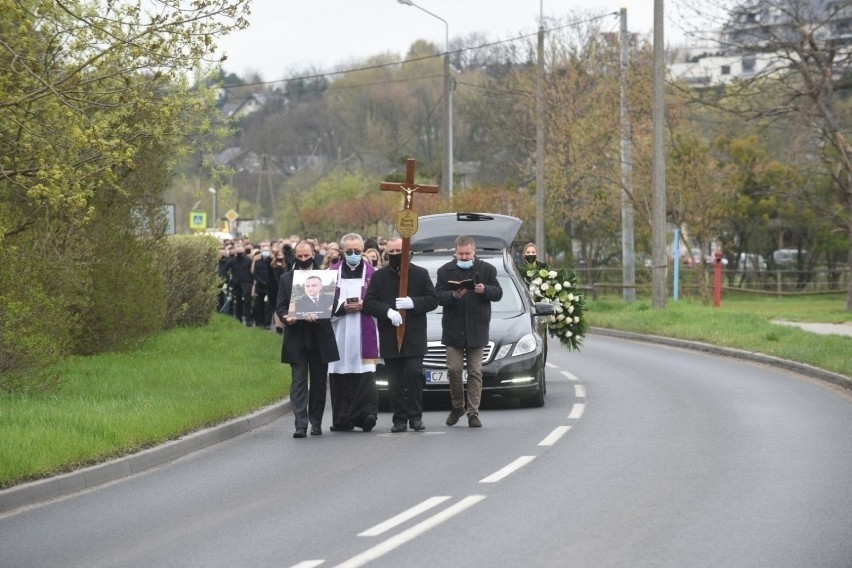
[{"x": 643, "y": 456}]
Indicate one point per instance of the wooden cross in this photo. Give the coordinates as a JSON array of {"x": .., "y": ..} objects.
[{"x": 406, "y": 226}]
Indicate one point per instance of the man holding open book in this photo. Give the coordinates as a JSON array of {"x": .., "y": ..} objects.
[{"x": 466, "y": 287}]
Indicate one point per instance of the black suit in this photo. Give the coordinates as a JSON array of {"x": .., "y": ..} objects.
[
  {"x": 308, "y": 347},
  {"x": 323, "y": 305},
  {"x": 405, "y": 367}
]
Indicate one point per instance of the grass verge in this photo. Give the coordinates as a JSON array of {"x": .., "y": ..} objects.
[
  {"x": 117, "y": 403},
  {"x": 741, "y": 323}
]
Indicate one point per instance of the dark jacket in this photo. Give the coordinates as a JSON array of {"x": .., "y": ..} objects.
[
  {"x": 465, "y": 321},
  {"x": 239, "y": 269},
  {"x": 303, "y": 334},
  {"x": 381, "y": 296}
]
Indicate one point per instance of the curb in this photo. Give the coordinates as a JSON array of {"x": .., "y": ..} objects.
[
  {"x": 808, "y": 370},
  {"x": 36, "y": 492}
]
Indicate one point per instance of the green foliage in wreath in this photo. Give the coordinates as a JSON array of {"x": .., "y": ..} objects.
[{"x": 559, "y": 287}]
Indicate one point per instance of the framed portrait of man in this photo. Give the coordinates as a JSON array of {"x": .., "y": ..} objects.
[{"x": 313, "y": 294}]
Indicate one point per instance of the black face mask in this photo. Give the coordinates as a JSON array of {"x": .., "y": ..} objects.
[
  {"x": 305, "y": 264},
  {"x": 530, "y": 258},
  {"x": 395, "y": 260}
]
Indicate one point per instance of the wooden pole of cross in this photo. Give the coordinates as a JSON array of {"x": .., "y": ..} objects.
[{"x": 406, "y": 226}]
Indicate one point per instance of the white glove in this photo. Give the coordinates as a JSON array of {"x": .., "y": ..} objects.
[
  {"x": 395, "y": 317},
  {"x": 404, "y": 303}
]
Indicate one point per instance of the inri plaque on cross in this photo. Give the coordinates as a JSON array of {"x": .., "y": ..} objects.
[{"x": 406, "y": 226}]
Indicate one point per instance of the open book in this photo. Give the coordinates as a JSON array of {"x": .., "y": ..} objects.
[{"x": 458, "y": 285}]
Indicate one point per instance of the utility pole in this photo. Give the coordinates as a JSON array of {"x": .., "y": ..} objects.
[
  {"x": 658, "y": 204},
  {"x": 540, "y": 239},
  {"x": 628, "y": 255}
]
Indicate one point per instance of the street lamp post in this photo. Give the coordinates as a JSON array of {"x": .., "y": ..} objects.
[
  {"x": 448, "y": 103},
  {"x": 215, "y": 193}
]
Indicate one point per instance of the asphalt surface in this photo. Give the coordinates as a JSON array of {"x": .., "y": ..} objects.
[{"x": 40, "y": 491}]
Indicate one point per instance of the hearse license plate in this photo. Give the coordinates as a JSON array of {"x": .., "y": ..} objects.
[{"x": 441, "y": 376}]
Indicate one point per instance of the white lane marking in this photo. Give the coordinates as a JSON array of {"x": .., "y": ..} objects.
[
  {"x": 404, "y": 516},
  {"x": 551, "y": 365},
  {"x": 409, "y": 534},
  {"x": 552, "y": 438},
  {"x": 308, "y": 564},
  {"x": 512, "y": 467},
  {"x": 577, "y": 411},
  {"x": 579, "y": 391},
  {"x": 570, "y": 376}
]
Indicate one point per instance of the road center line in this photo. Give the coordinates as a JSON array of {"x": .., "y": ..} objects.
[
  {"x": 409, "y": 534},
  {"x": 512, "y": 467},
  {"x": 579, "y": 391},
  {"x": 570, "y": 376},
  {"x": 552, "y": 438},
  {"x": 577, "y": 411},
  {"x": 307, "y": 564},
  {"x": 404, "y": 516}
]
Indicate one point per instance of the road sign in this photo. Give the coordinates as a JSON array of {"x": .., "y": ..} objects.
[
  {"x": 198, "y": 220},
  {"x": 232, "y": 215}
]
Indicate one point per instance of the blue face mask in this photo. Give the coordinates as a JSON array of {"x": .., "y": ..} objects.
[
  {"x": 265, "y": 253},
  {"x": 353, "y": 259},
  {"x": 464, "y": 264}
]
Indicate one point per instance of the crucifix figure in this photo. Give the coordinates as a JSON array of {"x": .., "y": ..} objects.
[{"x": 406, "y": 225}]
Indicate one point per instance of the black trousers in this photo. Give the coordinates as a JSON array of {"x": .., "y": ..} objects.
[
  {"x": 405, "y": 388},
  {"x": 241, "y": 292},
  {"x": 353, "y": 397},
  {"x": 308, "y": 403}
]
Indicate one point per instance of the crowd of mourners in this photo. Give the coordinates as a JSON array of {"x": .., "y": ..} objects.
[
  {"x": 334, "y": 341},
  {"x": 250, "y": 274}
]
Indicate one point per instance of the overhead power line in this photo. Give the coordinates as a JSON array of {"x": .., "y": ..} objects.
[{"x": 415, "y": 59}]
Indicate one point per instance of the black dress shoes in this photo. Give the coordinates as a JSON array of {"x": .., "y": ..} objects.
[
  {"x": 299, "y": 433},
  {"x": 369, "y": 422},
  {"x": 316, "y": 430},
  {"x": 399, "y": 427},
  {"x": 347, "y": 428},
  {"x": 417, "y": 426}
]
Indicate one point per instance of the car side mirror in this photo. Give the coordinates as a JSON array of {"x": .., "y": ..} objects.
[{"x": 544, "y": 309}]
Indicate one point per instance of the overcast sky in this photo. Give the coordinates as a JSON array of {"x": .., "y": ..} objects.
[{"x": 289, "y": 35}]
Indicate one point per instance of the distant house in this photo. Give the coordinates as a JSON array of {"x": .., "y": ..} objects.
[
  {"x": 244, "y": 106},
  {"x": 768, "y": 23},
  {"x": 721, "y": 69}
]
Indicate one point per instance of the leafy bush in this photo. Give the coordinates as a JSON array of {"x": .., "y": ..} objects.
[{"x": 188, "y": 268}]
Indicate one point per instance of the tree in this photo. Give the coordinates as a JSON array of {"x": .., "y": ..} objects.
[
  {"x": 805, "y": 47},
  {"x": 95, "y": 109}
]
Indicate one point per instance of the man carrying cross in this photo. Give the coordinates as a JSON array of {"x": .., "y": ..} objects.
[
  {"x": 399, "y": 297},
  {"x": 404, "y": 362}
]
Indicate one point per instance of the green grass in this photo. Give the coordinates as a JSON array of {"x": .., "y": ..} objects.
[
  {"x": 183, "y": 380},
  {"x": 117, "y": 403},
  {"x": 742, "y": 323}
]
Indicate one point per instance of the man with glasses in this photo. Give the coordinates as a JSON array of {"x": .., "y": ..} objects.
[
  {"x": 404, "y": 365},
  {"x": 352, "y": 378}
]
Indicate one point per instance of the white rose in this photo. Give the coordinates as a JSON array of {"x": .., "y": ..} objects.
[
  {"x": 576, "y": 319},
  {"x": 570, "y": 309},
  {"x": 568, "y": 334},
  {"x": 557, "y": 286},
  {"x": 566, "y": 284},
  {"x": 537, "y": 281},
  {"x": 551, "y": 318},
  {"x": 545, "y": 286},
  {"x": 551, "y": 274},
  {"x": 560, "y": 317},
  {"x": 571, "y": 297},
  {"x": 559, "y": 309}
]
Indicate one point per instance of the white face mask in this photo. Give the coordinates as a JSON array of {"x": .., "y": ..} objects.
[{"x": 464, "y": 264}]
